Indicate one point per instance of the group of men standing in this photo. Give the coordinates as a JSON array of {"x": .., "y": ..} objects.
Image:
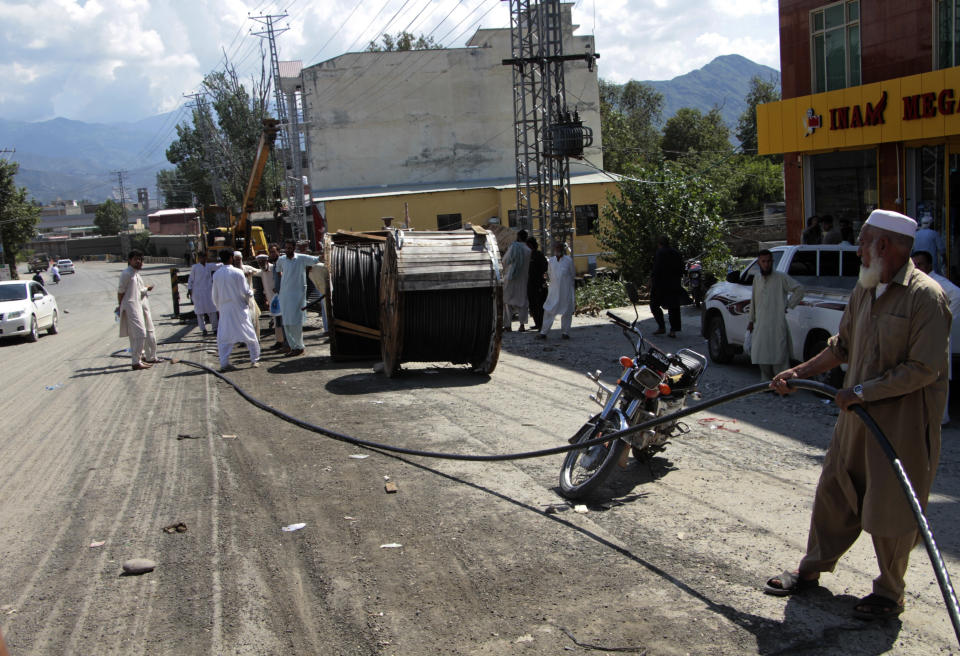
[
  {"x": 525, "y": 289},
  {"x": 223, "y": 296}
]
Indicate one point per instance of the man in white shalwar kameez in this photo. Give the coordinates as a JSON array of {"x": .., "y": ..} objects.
[
  {"x": 516, "y": 270},
  {"x": 560, "y": 296},
  {"x": 293, "y": 268},
  {"x": 199, "y": 284},
  {"x": 134, "y": 310},
  {"x": 231, "y": 293},
  {"x": 773, "y": 294},
  {"x": 249, "y": 272}
]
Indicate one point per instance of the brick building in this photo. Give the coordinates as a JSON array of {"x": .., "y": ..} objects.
[{"x": 870, "y": 115}]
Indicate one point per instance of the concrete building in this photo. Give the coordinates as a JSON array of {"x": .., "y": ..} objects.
[
  {"x": 431, "y": 133},
  {"x": 870, "y": 115}
]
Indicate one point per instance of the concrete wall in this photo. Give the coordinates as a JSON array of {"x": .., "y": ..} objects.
[{"x": 396, "y": 118}]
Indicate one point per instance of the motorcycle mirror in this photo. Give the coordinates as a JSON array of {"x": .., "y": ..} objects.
[{"x": 632, "y": 292}]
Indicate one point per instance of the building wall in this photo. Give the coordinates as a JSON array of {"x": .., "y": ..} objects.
[
  {"x": 393, "y": 118},
  {"x": 896, "y": 39},
  {"x": 476, "y": 206}
]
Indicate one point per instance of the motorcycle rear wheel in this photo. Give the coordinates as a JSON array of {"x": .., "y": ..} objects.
[{"x": 580, "y": 482}]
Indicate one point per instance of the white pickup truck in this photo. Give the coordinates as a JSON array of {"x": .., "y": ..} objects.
[{"x": 828, "y": 274}]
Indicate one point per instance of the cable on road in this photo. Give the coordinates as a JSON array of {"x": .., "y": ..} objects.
[{"x": 936, "y": 559}]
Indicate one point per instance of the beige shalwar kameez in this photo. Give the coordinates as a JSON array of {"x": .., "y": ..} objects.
[
  {"x": 896, "y": 347},
  {"x": 768, "y": 314},
  {"x": 135, "y": 320}
]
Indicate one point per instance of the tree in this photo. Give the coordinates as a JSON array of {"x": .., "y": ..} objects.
[
  {"x": 176, "y": 192},
  {"x": 18, "y": 216},
  {"x": 218, "y": 148},
  {"x": 403, "y": 41},
  {"x": 761, "y": 91},
  {"x": 689, "y": 131},
  {"x": 666, "y": 198},
  {"x": 110, "y": 218},
  {"x": 629, "y": 115}
]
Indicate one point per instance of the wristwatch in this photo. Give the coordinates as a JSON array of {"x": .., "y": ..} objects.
[{"x": 858, "y": 390}]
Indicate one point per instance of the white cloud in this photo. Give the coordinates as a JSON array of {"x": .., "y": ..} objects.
[{"x": 104, "y": 60}]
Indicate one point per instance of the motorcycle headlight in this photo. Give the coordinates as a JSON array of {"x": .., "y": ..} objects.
[{"x": 15, "y": 315}]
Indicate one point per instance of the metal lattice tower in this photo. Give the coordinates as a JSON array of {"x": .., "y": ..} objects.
[
  {"x": 541, "y": 118},
  {"x": 289, "y": 137}
]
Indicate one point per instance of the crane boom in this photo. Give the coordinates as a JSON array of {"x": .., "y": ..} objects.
[{"x": 267, "y": 137}]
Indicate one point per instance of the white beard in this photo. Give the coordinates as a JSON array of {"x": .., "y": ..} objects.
[{"x": 870, "y": 276}]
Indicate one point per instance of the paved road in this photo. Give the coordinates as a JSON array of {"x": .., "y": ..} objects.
[{"x": 672, "y": 566}]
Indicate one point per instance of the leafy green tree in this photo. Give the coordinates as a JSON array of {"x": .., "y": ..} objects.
[
  {"x": 629, "y": 115},
  {"x": 110, "y": 218},
  {"x": 215, "y": 152},
  {"x": 403, "y": 41},
  {"x": 761, "y": 91},
  {"x": 691, "y": 132},
  {"x": 754, "y": 181},
  {"x": 665, "y": 198},
  {"x": 18, "y": 216}
]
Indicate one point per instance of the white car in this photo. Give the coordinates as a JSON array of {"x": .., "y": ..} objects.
[
  {"x": 65, "y": 266},
  {"x": 26, "y": 308}
]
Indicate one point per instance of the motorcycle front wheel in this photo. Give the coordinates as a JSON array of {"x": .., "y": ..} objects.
[{"x": 584, "y": 471}]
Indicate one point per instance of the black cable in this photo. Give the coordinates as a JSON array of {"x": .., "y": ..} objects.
[
  {"x": 936, "y": 559},
  {"x": 355, "y": 295}
]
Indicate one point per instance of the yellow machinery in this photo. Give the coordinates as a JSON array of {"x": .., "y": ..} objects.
[{"x": 239, "y": 234}]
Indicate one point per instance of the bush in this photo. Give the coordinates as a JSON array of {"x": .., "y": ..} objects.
[{"x": 599, "y": 294}]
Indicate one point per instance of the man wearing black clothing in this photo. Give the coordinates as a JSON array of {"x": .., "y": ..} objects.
[
  {"x": 536, "y": 284},
  {"x": 665, "y": 288}
]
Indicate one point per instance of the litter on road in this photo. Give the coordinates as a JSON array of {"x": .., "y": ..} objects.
[
  {"x": 293, "y": 527},
  {"x": 138, "y": 566},
  {"x": 391, "y": 545},
  {"x": 97, "y": 544},
  {"x": 358, "y": 456},
  {"x": 390, "y": 488}
]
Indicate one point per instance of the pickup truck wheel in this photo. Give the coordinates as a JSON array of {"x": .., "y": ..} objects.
[
  {"x": 717, "y": 341},
  {"x": 834, "y": 377}
]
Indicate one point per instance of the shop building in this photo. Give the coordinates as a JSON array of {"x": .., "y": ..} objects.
[{"x": 870, "y": 116}]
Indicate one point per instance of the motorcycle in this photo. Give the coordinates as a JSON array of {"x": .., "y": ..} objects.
[
  {"x": 696, "y": 280},
  {"x": 653, "y": 384}
]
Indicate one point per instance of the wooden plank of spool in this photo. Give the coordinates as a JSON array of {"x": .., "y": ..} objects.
[
  {"x": 356, "y": 329},
  {"x": 391, "y": 324},
  {"x": 328, "y": 299},
  {"x": 437, "y": 285},
  {"x": 493, "y": 350}
]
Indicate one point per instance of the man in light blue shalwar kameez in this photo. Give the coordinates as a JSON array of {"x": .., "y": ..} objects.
[{"x": 293, "y": 268}]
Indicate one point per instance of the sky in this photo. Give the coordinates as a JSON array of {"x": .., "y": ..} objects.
[{"x": 124, "y": 60}]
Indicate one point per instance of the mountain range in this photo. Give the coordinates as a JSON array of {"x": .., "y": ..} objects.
[{"x": 73, "y": 160}]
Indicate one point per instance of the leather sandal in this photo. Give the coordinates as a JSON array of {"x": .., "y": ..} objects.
[
  {"x": 876, "y": 607},
  {"x": 789, "y": 583}
]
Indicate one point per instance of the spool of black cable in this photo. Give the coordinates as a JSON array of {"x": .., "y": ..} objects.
[
  {"x": 441, "y": 299},
  {"x": 353, "y": 303}
]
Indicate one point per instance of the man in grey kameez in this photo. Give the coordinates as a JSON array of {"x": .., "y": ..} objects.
[
  {"x": 893, "y": 337},
  {"x": 773, "y": 294}
]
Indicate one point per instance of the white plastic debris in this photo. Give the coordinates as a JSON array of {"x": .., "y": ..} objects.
[
  {"x": 391, "y": 545},
  {"x": 358, "y": 456},
  {"x": 97, "y": 544},
  {"x": 580, "y": 508},
  {"x": 293, "y": 527}
]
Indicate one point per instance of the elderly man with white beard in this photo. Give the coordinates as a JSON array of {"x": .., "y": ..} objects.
[{"x": 893, "y": 337}]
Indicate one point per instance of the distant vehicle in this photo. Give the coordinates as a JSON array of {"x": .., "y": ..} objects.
[
  {"x": 39, "y": 262},
  {"x": 65, "y": 266},
  {"x": 25, "y": 308}
]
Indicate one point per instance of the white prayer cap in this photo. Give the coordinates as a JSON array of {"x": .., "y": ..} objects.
[
  {"x": 926, "y": 220},
  {"x": 892, "y": 222},
  {"x": 237, "y": 254},
  {"x": 263, "y": 256}
]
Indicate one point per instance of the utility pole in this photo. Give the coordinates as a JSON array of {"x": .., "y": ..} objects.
[
  {"x": 289, "y": 137},
  {"x": 123, "y": 199},
  {"x": 546, "y": 134}
]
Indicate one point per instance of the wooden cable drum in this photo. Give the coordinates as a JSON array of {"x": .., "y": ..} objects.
[
  {"x": 353, "y": 262},
  {"x": 441, "y": 299}
]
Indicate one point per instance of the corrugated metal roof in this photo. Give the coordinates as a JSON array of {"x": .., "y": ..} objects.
[
  {"x": 404, "y": 190},
  {"x": 290, "y": 68}
]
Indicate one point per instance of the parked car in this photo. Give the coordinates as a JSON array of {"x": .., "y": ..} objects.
[
  {"x": 26, "y": 308},
  {"x": 65, "y": 266}
]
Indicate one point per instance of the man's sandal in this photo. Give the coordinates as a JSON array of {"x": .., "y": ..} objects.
[
  {"x": 789, "y": 583},
  {"x": 876, "y": 607}
]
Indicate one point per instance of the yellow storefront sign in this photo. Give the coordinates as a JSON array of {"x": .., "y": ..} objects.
[{"x": 917, "y": 107}]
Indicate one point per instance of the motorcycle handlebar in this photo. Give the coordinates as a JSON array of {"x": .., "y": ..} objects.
[{"x": 619, "y": 320}]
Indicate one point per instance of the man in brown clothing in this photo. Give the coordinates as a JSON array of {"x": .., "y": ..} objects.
[{"x": 893, "y": 337}]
